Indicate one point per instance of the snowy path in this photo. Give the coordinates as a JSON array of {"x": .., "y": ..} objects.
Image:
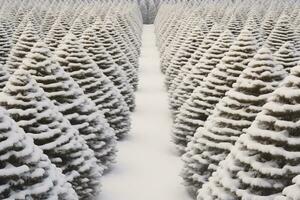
[{"x": 147, "y": 167}]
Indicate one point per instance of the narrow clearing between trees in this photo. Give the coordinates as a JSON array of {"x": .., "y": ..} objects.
[{"x": 147, "y": 166}]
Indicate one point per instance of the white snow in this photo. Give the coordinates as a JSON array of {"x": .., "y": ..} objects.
[{"x": 147, "y": 166}]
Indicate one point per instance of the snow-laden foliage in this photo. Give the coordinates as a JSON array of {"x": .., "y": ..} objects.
[
  {"x": 95, "y": 84},
  {"x": 104, "y": 60},
  {"x": 72, "y": 103},
  {"x": 194, "y": 112},
  {"x": 215, "y": 97},
  {"x": 55, "y": 35},
  {"x": 25, "y": 171},
  {"x": 28, "y": 105},
  {"x": 23, "y": 46},
  {"x": 234, "y": 113},
  {"x": 74, "y": 121},
  {"x": 118, "y": 56},
  {"x": 265, "y": 159},
  {"x": 201, "y": 69},
  {"x": 287, "y": 56}
]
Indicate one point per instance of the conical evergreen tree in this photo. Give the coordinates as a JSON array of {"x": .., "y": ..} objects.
[
  {"x": 186, "y": 87},
  {"x": 281, "y": 34},
  {"x": 266, "y": 158},
  {"x": 235, "y": 24},
  {"x": 110, "y": 26},
  {"x": 55, "y": 35},
  {"x": 208, "y": 62},
  {"x": 19, "y": 30},
  {"x": 234, "y": 113},
  {"x": 268, "y": 25},
  {"x": 72, "y": 103},
  {"x": 287, "y": 56},
  {"x": 77, "y": 27},
  {"x": 97, "y": 52},
  {"x": 200, "y": 104},
  {"x": 28, "y": 105},
  {"x": 75, "y": 60},
  {"x": 209, "y": 40},
  {"x": 118, "y": 56},
  {"x": 183, "y": 55},
  {"x": 26, "y": 41},
  {"x": 27, "y": 173}
]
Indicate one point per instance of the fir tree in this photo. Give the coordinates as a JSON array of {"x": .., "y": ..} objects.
[
  {"x": 266, "y": 158},
  {"x": 118, "y": 56},
  {"x": 208, "y": 62},
  {"x": 186, "y": 84},
  {"x": 234, "y": 113},
  {"x": 72, "y": 103},
  {"x": 75, "y": 60},
  {"x": 194, "y": 112},
  {"x": 18, "y": 31},
  {"x": 28, "y": 105},
  {"x": 287, "y": 56},
  {"x": 130, "y": 32},
  {"x": 27, "y": 173},
  {"x": 209, "y": 40},
  {"x": 77, "y": 27},
  {"x": 235, "y": 24},
  {"x": 112, "y": 26},
  {"x": 55, "y": 35},
  {"x": 97, "y": 52},
  {"x": 189, "y": 47},
  {"x": 26, "y": 41},
  {"x": 281, "y": 34},
  {"x": 268, "y": 25},
  {"x": 183, "y": 55}
]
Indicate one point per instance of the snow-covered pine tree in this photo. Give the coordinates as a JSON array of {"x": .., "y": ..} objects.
[
  {"x": 103, "y": 59},
  {"x": 281, "y": 34},
  {"x": 26, "y": 41},
  {"x": 27, "y": 173},
  {"x": 130, "y": 32},
  {"x": 122, "y": 51},
  {"x": 28, "y": 105},
  {"x": 187, "y": 83},
  {"x": 189, "y": 47},
  {"x": 175, "y": 40},
  {"x": 5, "y": 45},
  {"x": 268, "y": 24},
  {"x": 194, "y": 112},
  {"x": 266, "y": 158},
  {"x": 96, "y": 85},
  {"x": 234, "y": 113},
  {"x": 206, "y": 44},
  {"x": 78, "y": 27},
  {"x": 184, "y": 53},
  {"x": 235, "y": 24},
  {"x": 207, "y": 63},
  {"x": 287, "y": 56},
  {"x": 72, "y": 103},
  {"x": 18, "y": 31},
  {"x": 118, "y": 56},
  {"x": 55, "y": 35},
  {"x": 48, "y": 20},
  {"x": 110, "y": 26}
]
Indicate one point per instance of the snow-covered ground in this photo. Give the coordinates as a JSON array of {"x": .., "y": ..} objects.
[{"x": 147, "y": 166}]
